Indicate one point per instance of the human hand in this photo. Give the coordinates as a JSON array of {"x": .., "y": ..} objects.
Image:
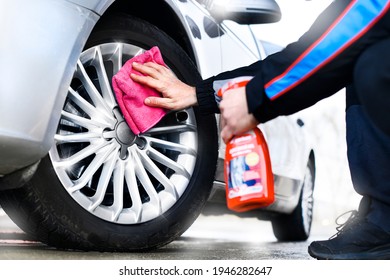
[
  {"x": 235, "y": 118},
  {"x": 176, "y": 95}
]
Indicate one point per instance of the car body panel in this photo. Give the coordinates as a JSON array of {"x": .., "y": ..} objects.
[
  {"x": 193, "y": 17},
  {"x": 30, "y": 103},
  {"x": 97, "y": 6}
]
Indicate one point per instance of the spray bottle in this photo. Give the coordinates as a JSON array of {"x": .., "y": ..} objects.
[{"x": 248, "y": 173}]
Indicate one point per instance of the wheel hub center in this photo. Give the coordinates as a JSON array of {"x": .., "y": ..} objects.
[{"x": 124, "y": 135}]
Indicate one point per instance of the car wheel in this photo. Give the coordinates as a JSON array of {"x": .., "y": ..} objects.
[
  {"x": 101, "y": 187},
  {"x": 297, "y": 225}
]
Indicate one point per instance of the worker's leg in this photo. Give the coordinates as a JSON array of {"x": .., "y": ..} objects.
[
  {"x": 367, "y": 119},
  {"x": 372, "y": 79},
  {"x": 366, "y": 235},
  {"x": 369, "y": 161}
]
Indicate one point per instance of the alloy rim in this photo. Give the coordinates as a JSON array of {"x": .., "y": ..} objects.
[{"x": 115, "y": 175}]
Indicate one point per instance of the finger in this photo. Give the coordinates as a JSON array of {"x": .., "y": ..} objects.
[
  {"x": 223, "y": 130},
  {"x": 146, "y": 80},
  {"x": 155, "y": 70},
  {"x": 145, "y": 69},
  {"x": 158, "y": 67},
  {"x": 160, "y": 102},
  {"x": 226, "y": 134}
]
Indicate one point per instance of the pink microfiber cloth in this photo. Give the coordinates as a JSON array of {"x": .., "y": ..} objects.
[{"x": 130, "y": 95}]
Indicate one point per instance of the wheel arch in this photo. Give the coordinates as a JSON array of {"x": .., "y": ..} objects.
[{"x": 170, "y": 23}]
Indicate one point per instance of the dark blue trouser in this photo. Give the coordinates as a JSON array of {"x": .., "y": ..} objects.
[{"x": 368, "y": 146}]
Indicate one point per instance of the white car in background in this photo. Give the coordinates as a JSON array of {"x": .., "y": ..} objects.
[{"x": 73, "y": 175}]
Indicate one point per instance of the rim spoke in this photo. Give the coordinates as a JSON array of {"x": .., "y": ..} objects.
[
  {"x": 159, "y": 143},
  {"x": 93, "y": 92},
  {"x": 132, "y": 186},
  {"x": 82, "y": 103},
  {"x": 157, "y": 156},
  {"x": 156, "y": 173},
  {"x": 84, "y": 122},
  {"x": 105, "y": 86},
  {"x": 117, "y": 57},
  {"x": 104, "y": 179},
  {"x": 88, "y": 108},
  {"x": 77, "y": 137},
  {"x": 147, "y": 184},
  {"x": 77, "y": 157},
  {"x": 119, "y": 174},
  {"x": 91, "y": 169},
  {"x": 171, "y": 129}
]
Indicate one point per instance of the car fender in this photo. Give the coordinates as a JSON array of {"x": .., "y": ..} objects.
[
  {"x": 47, "y": 36},
  {"x": 97, "y": 6}
]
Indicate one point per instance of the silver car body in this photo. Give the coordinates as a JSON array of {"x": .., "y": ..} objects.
[{"x": 38, "y": 57}]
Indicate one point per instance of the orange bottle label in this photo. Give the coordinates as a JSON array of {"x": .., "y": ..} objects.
[{"x": 248, "y": 174}]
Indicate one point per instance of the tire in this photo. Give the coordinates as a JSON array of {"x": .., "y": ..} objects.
[
  {"x": 297, "y": 225},
  {"x": 95, "y": 191}
]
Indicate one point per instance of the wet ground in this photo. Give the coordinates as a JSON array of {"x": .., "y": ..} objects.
[
  {"x": 215, "y": 247},
  {"x": 210, "y": 238}
]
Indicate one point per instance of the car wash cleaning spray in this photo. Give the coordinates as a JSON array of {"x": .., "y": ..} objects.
[{"x": 248, "y": 173}]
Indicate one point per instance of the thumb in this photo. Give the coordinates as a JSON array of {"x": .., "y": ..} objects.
[{"x": 226, "y": 134}]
